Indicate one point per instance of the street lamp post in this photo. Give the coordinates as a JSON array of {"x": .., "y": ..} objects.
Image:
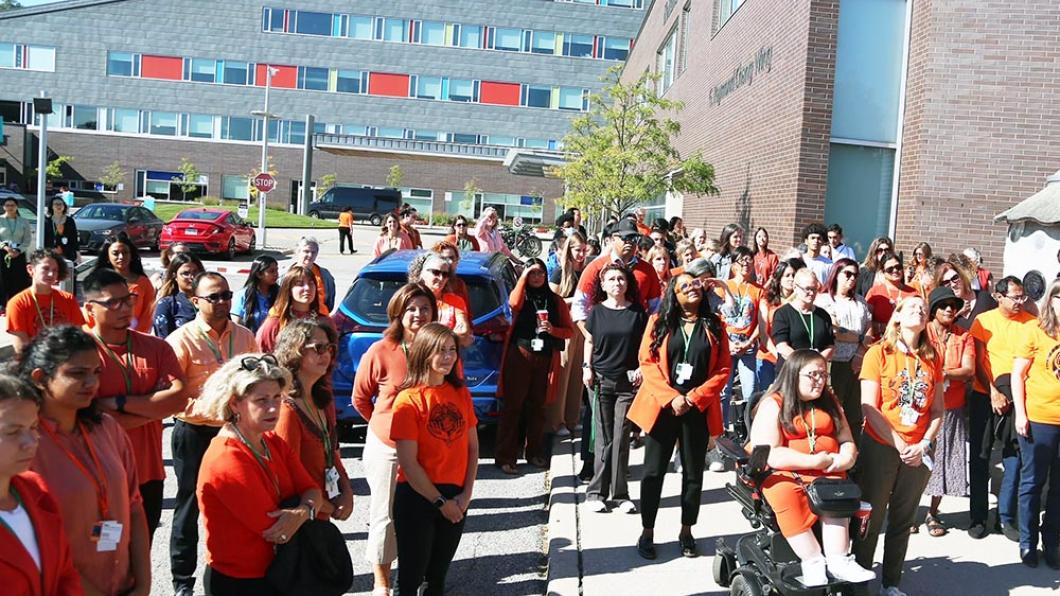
[
  {"x": 265, "y": 115},
  {"x": 42, "y": 106}
]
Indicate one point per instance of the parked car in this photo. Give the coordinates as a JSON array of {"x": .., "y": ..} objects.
[
  {"x": 371, "y": 204},
  {"x": 361, "y": 319},
  {"x": 99, "y": 221},
  {"x": 209, "y": 230}
]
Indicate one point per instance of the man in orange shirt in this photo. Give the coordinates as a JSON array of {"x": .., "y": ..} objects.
[
  {"x": 997, "y": 334},
  {"x": 346, "y": 230},
  {"x": 140, "y": 382},
  {"x": 643, "y": 228},
  {"x": 40, "y": 305},
  {"x": 624, "y": 237}
]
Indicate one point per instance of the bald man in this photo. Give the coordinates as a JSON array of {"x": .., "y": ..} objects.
[{"x": 800, "y": 324}]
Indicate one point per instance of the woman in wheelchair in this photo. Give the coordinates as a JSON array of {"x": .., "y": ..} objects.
[{"x": 809, "y": 437}]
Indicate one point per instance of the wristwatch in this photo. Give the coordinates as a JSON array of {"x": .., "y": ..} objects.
[
  {"x": 119, "y": 403},
  {"x": 311, "y": 508},
  {"x": 440, "y": 502},
  {"x": 926, "y": 444}
]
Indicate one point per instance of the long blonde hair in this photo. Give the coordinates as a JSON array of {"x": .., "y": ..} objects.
[
  {"x": 568, "y": 277},
  {"x": 1047, "y": 317},
  {"x": 892, "y": 334}
]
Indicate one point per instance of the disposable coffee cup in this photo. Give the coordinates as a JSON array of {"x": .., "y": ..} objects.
[{"x": 542, "y": 317}]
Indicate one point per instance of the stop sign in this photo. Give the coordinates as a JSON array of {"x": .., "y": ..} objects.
[{"x": 264, "y": 182}]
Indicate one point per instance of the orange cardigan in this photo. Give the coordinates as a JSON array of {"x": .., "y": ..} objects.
[
  {"x": 18, "y": 573},
  {"x": 564, "y": 330},
  {"x": 656, "y": 392}
]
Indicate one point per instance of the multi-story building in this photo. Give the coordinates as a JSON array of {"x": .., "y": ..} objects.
[
  {"x": 920, "y": 119},
  {"x": 442, "y": 88}
]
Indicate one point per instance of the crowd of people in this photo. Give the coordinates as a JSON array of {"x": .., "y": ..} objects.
[{"x": 904, "y": 377}]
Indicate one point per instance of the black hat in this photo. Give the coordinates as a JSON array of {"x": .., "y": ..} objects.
[
  {"x": 625, "y": 228},
  {"x": 939, "y": 296}
]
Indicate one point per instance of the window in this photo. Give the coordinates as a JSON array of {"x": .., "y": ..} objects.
[
  {"x": 395, "y": 30},
  {"x": 578, "y": 46},
  {"x": 500, "y": 140},
  {"x": 123, "y": 120},
  {"x": 273, "y": 19},
  {"x": 7, "y": 55},
  {"x": 571, "y": 98},
  {"x": 535, "y": 143},
  {"x": 462, "y": 90},
  {"x": 85, "y": 117},
  {"x": 351, "y": 81},
  {"x": 432, "y": 33},
  {"x": 428, "y": 135},
  {"x": 725, "y": 10},
  {"x": 237, "y": 129},
  {"x": 858, "y": 196},
  {"x": 41, "y": 58},
  {"x": 538, "y": 97},
  {"x": 361, "y": 27},
  {"x": 508, "y": 40},
  {"x": 202, "y": 70},
  {"x": 469, "y": 139},
  {"x": 616, "y": 48},
  {"x": 312, "y": 23},
  {"x": 123, "y": 64},
  {"x": 469, "y": 36},
  {"x": 295, "y": 132},
  {"x": 544, "y": 42},
  {"x": 235, "y": 187},
  {"x": 428, "y": 87},
  {"x": 665, "y": 63},
  {"x": 163, "y": 123},
  {"x": 200, "y": 126},
  {"x": 236, "y": 73},
  {"x": 682, "y": 42},
  {"x": 354, "y": 129},
  {"x": 390, "y": 133},
  {"x": 315, "y": 79}
]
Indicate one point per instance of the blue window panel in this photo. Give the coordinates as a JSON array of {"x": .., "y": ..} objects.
[
  {"x": 868, "y": 70},
  {"x": 552, "y": 145},
  {"x": 470, "y": 36},
  {"x": 578, "y": 46},
  {"x": 462, "y": 90},
  {"x": 428, "y": 87},
  {"x": 508, "y": 40},
  {"x": 616, "y": 48},
  {"x": 500, "y": 140},
  {"x": 570, "y": 98},
  {"x": 354, "y": 129},
  {"x": 237, "y": 129},
  {"x": 538, "y": 97},
  {"x": 395, "y": 30},
  {"x": 296, "y": 132},
  {"x": 860, "y": 180},
  {"x": 469, "y": 139},
  {"x": 315, "y": 79},
  {"x": 236, "y": 73},
  {"x": 202, "y": 70},
  {"x": 123, "y": 120},
  {"x": 164, "y": 123},
  {"x": 275, "y": 131},
  {"x": 390, "y": 133},
  {"x": 85, "y": 117},
  {"x": 428, "y": 135},
  {"x": 432, "y": 33},
  {"x": 320, "y": 127},
  {"x": 273, "y": 20},
  {"x": 119, "y": 64},
  {"x": 7, "y": 56},
  {"x": 337, "y": 25},
  {"x": 312, "y": 23},
  {"x": 361, "y": 27},
  {"x": 350, "y": 81},
  {"x": 200, "y": 126},
  {"x": 535, "y": 143},
  {"x": 544, "y": 42}
]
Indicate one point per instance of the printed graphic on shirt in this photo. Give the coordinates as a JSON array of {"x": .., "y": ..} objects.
[
  {"x": 1052, "y": 362},
  {"x": 912, "y": 393},
  {"x": 446, "y": 423},
  {"x": 739, "y": 315}
]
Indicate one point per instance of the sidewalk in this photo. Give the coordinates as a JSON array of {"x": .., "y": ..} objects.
[{"x": 594, "y": 553}]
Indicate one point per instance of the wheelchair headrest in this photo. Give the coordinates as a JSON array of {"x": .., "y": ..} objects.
[{"x": 731, "y": 450}]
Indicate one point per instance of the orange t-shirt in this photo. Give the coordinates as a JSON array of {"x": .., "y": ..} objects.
[
  {"x": 1043, "y": 379},
  {"x": 907, "y": 385},
  {"x": 882, "y": 300},
  {"x": 763, "y": 347},
  {"x": 827, "y": 435},
  {"x": 345, "y": 219},
  {"x": 438, "y": 419},
  {"x": 742, "y": 319},
  {"x": 958, "y": 343},
  {"x": 302, "y": 435},
  {"x": 447, "y": 307},
  {"x": 29, "y": 316},
  {"x": 1002, "y": 337}
]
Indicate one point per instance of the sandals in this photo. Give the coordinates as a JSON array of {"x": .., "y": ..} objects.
[
  {"x": 934, "y": 526},
  {"x": 509, "y": 469}
]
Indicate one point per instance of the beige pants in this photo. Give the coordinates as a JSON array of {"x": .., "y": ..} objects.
[
  {"x": 380, "y": 470},
  {"x": 565, "y": 409}
]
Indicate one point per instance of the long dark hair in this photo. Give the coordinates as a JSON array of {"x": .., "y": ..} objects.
[
  {"x": 250, "y": 289},
  {"x": 833, "y": 277},
  {"x": 670, "y": 316},
  {"x": 290, "y": 345},
  {"x": 632, "y": 291},
  {"x": 169, "y": 278},
  {"x": 136, "y": 265},
  {"x": 787, "y": 385},
  {"x": 724, "y": 249},
  {"x": 774, "y": 293},
  {"x": 754, "y": 240},
  {"x": 48, "y": 351}
]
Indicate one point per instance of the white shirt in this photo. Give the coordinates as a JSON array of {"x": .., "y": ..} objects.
[
  {"x": 18, "y": 520},
  {"x": 820, "y": 265},
  {"x": 843, "y": 252},
  {"x": 851, "y": 315}
]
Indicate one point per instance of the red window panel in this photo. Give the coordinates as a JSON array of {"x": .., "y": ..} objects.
[
  {"x": 162, "y": 67},
  {"x": 502, "y": 94},
  {"x": 388, "y": 84},
  {"x": 286, "y": 78}
]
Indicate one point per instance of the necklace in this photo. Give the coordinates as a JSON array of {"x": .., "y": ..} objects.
[{"x": 812, "y": 435}]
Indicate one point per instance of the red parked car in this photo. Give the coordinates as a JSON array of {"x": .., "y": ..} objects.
[{"x": 209, "y": 230}]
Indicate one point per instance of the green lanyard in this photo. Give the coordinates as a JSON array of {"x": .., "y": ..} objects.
[
  {"x": 688, "y": 341},
  {"x": 126, "y": 369},
  {"x": 18, "y": 503},
  {"x": 809, "y": 329},
  {"x": 325, "y": 434},
  {"x": 259, "y": 458},
  {"x": 216, "y": 349},
  {"x": 40, "y": 313}
]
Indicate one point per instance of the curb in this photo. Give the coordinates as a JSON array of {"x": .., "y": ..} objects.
[{"x": 564, "y": 549}]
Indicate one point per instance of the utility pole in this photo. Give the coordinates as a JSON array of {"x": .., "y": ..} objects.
[
  {"x": 42, "y": 106},
  {"x": 265, "y": 115}
]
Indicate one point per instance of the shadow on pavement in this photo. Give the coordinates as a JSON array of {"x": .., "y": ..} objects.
[{"x": 939, "y": 575}]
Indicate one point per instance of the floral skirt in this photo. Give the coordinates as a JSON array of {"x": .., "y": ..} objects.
[{"x": 950, "y": 474}]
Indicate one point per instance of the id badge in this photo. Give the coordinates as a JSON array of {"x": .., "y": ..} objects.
[
  {"x": 537, "y": 344},
  {"x": 331, "y": 482},
  {"x": 909, "y": 416},
  {"x": 65, "y": 240},
  {"x": 684, "y": 372},
  {"x": 106, "y": 535}
]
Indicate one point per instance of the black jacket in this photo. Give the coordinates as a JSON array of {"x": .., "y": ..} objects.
[{"x": 70, "y": 247}]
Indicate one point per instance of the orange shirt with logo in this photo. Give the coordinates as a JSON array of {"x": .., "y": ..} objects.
[
  {"x": 906, "y": 382},
  {"x": 1002, "y": 336},
  {"x": 438, "y": 419},
  {"x": 1043, "y": 379}
]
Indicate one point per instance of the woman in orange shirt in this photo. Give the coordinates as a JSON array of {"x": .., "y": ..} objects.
[
  {"x": 296, "y": 299},
  {"x": 901, "y": 396},
  {"x": 380, "y": 374},
  {"x": 41, "y": 306},
  {"x": 120, "y": 254},
  {"x": 883, "y": 296},
  {"x": 246, "y": 473},
  {"x": 346, "y": 230},
  {"x": 810, "y": 438},
  {"x": 1036, "y": 396},
  {"x": 448, "y": 251},
  {"x": 307, "y": 419},
  {"x": 435, "y": 273},
  {"x": 34, "y": 553},
  {"x": 391, "y": 237},
  {"x": 437, "y": 446}
]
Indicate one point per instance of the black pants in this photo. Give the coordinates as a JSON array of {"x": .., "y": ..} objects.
[
  {"x": 14, "y": 276},
  {"x": 611, "y": 429},
  {"x": 345, "y": 235},
  {"x": 586, "y": 446},
  {"x": 151, "y": 492},
  {"x": 189, "y": 445},
  {"x": 426, "y": 541},
  {"x": 219, "y": 584},
  {"x": 691, "y": 429}
]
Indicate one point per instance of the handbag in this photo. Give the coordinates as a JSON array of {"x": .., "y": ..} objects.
[
  {"x": 833, "y": 497},
  {"x": 315, "y": 560}
]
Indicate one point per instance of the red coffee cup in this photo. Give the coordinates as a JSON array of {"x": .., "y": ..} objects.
[{"x": 862, "y": 515}]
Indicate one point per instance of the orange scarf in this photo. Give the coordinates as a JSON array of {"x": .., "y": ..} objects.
[{"x": 322, "y": 293}]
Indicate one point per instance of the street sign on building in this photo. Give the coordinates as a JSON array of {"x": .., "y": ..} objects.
[{"x": 264, "y": 182}]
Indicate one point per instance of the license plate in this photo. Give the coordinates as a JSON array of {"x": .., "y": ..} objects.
[{"x": 191, "y": 232}]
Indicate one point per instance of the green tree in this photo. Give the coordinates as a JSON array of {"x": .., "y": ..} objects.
[
  {"x": 621, "y": 153},
  {"x": 188, "y": 181},
  {"x": 471, "y": 192},
  {"x": 327, "y": 181},
  {"x": 9, "y": 5},
  {"x": 112, "y": 176},
  {"x": 394, "y": 176},
  {"x": 55, "y": 166}
]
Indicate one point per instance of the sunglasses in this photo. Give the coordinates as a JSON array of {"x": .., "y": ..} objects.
[
  {"x": 217, "y": 297},
  {"x": 893, "y": 269},
  {"x": 116, "y": 303},
  {"x": 629, "y": 239},
  {"x": 438, "y": 272},
  {"x": 951, "y": 280},
  {"x": 883, "y": 249},
  {"x": 321, "y": 349},
  {"x": 253, "y": 363},
  {"x": 460, "y": 225},
  {"x": 848, "y": 273},
  {"x": 951, "y": 305},
  {"x": 695, "y": 284}
]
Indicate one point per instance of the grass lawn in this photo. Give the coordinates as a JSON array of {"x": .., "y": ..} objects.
[{"x": 274, "y": 218}]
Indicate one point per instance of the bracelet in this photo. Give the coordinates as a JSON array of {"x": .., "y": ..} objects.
[
  {"x": 688, "y": 402},
  {"x": 311, "y": 508}
]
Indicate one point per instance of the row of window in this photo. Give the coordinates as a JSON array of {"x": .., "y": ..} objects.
[
  {"x": 443, "y": 34},
  {"x": 637, "y": 4},
  {"x": 239, "y": 128},
  {"x": 337, "y": 80},
  {"x": 672, "y": 57},
  {"x": 27, "y": 57}
]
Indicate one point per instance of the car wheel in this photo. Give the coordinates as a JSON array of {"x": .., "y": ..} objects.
[
  {"x": 376, "y": 219},
  {"x": 314, "y": 214},
  {"x": 230, "y": 252}
]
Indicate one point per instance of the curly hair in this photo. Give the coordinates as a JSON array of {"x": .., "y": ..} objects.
[
  {"x": 231, "y": 383},
  {"x": 290, "y": 345},
  {"x": 632, "y": 290}
]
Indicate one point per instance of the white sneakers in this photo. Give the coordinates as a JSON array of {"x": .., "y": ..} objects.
[
  {"x": 845, "y": 568},
  {"x": 596, "y": 505},
  {"x": 717, "y": 466},
  {"x": 626, "y": 506},
  {"x": 891, "y": 591},
  {"x": 813, "y": 572}
]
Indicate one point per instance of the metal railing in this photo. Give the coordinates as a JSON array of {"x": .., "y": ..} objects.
[{"x": 490, "y": 152}]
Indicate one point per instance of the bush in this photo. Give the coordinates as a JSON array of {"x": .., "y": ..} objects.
[
  {"x": 210, "y": 201},
  {"x": 440, "y": 218}
]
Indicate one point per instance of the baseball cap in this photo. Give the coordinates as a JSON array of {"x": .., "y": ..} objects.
[{"x": 625, "y": 228}]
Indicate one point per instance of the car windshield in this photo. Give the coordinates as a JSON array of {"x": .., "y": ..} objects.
[
  {"x": 369, "y": 296},
  {"x": 106, "y": 212},
  {"x": 199, "y": 215}
]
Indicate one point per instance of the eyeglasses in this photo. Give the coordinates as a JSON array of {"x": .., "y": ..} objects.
[
  {"x": 848, "y": 273},
  {"x": 321, "y": 349},
  {"x": 949, "y": 281},
  {"x": 815, "y": 376},
  {"x": 438, "y": 272},
  {"x": 118, "y": 302},
  {"x": 629, "y": 239},
  {"x": 810, "y": 290},
  {"x": 951, "y": 305},
  {"x": 217, "y": 297},
  {"x": 253, "y": 363},
  {"x": 695, "y": 284},
  {"x": 893, "y": 269},
  {"x": 745, "y": 261},
  {"x": 1016, "y": 299}
]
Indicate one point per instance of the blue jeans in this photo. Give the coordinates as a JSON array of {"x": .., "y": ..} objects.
[
  {"x": 743, "y": 365},
  {"x": 765, "y": 373},
  {"x": 1041, "y": 460}
]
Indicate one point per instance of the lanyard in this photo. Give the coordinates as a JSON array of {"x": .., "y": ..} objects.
[
  {"x": 809, "y": 328},
  {"x": 216, "y": 349},
  {"x": 688, "y": 340},
  {"x": 18, "y": 503},
  {"x": 125, "y": 369},
  {"x": 40, "y": 313},
  {"x": 325, "y": 432},
  {"x": 98, "y": 479},
  {"x": 260, "y": 459}
]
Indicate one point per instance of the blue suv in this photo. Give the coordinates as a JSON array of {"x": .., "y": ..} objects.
[{"x": 361, "y": 319}]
